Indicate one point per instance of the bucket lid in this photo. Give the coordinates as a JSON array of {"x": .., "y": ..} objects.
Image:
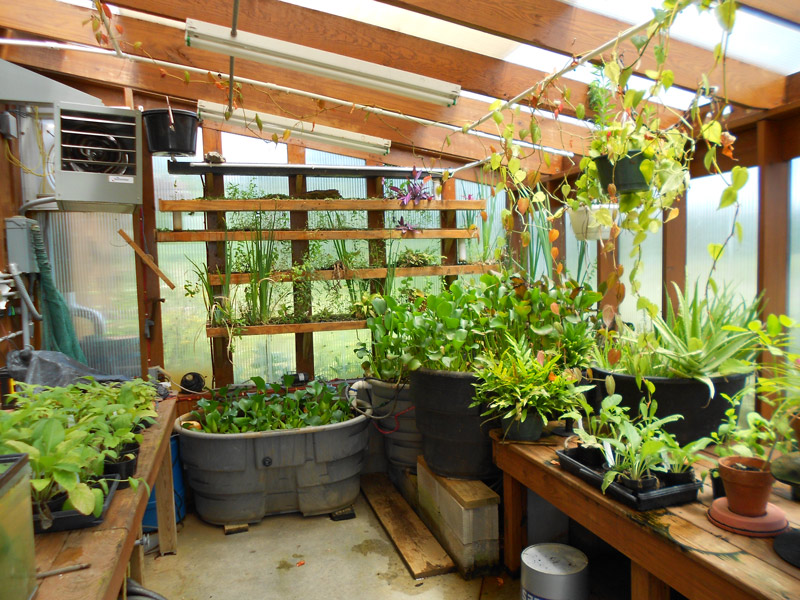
[{"x": 554, "y": 559}]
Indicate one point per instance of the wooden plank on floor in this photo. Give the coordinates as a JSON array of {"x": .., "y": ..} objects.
[
  {"x": 468, "y": 493},
  {"x": 423, "y": 555}
]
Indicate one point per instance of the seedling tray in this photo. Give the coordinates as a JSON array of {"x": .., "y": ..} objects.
[
  {"x": 64, "y": 520},
  {"x": 666, "y": 496}
]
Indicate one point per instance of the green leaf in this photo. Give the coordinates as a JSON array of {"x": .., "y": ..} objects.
[
  {"x": 729, "y": 196},
  {"x": 66, "y": 479},
  {"x": 739, "y": 177},
  {"x": 710, "y": 157},
  {"x": 726, "y": 14},
  {"x": 496, "y": 160},
  {"x": 712, "y": 131},
  {"x": 739, "y": 231},
  {"x": 715, "y": 251},
  {"x": 639, "y": 41},
  {"x": 667, "y": 79},
  {"x": 513, "y": 165},
  {"x": 82, "y": 499},
  {"x": 580, "y": 111},
  {"x": 647, "y": 168},
  {"x": 611, "y": 71},
  {"x": 40, "y": 484},
  {"x": 98, "y": 501},
  {"x": 773, "y": 325}
]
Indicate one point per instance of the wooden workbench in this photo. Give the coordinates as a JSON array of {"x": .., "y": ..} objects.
[
  {"x": 673, "y": 547},
  {"x": 109, "y": 546}
]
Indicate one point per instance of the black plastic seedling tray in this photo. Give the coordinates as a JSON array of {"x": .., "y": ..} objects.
[
  {"x": 64, "y": 520},
  {"x": 666, "y": 496}
]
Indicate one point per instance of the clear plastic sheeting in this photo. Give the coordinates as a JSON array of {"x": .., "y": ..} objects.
[
  {"x": 95, "y": 270},
  {"x": 706, "y": 225}
]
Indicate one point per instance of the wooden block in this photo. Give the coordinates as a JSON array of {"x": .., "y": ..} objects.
[
  {"x": 468, "y": 493},
  {"x": 423, "y": 555},
  {"x": 236, "y": 528}
]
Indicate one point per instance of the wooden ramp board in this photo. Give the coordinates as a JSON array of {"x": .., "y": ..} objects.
[{"x": 423, "y": 555}]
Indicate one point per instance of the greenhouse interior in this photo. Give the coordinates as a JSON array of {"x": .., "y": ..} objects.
[{"x": 382, "y": 299}]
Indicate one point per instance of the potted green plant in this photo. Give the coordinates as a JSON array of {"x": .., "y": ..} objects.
[
  {"x": 702, "y": 351},
  {"x": 678, "y": 460},
  {"x": 387, "y": 380},
  {"x": 591, "y": 427},
  {"x": 638, "y": 448},
  {"x": 525, "y": 389},
  {"x": 271, "y": 450}
]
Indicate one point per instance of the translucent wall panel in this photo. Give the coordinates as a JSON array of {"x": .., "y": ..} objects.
[
  {"x": 95, "y": 271},
  {"x": 794, "y": 249},
  {"x": 183, "y": 317},
  {"x": 267, "y": 356},
  {"x": 491, "y": 231},
  {"x": 334, "y": 356},
  {"x": 178, "y": 187},
  {"x": 707, "y": 225},
  {"x": 649, "y": 275},
  {"x": 581, "y": 263}
]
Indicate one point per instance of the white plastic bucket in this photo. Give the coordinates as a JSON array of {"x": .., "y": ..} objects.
[{"x": 554, "y": 572}]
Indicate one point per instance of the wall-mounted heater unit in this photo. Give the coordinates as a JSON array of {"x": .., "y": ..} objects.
[{"x": 97, "y": 159}]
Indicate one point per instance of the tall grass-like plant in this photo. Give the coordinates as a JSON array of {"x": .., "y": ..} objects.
[
  {"x": 261, "y": 255},
  {"x": 356, "y": 287}
]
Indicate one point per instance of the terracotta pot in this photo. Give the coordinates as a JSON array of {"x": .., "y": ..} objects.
[{"x": 747, "y": 491}]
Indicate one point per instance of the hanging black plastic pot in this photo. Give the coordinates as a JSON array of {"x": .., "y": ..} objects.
[
  {"x": 178, "y": 140},
  {"x": 625, "y": 174}
]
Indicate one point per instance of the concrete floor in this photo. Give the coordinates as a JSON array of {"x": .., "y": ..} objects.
[{"x": 292, "y": 557}]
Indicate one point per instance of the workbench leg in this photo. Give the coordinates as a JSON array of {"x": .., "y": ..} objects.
[
  {"x": 514, "y": 504},
  {"x": 137, "y": 560},
  {"x": 165, "y": 506},
  {"x": 645, "y": 585}
]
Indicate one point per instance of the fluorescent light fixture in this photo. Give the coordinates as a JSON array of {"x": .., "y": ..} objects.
[
  {"x": 259, "y": 48},
  {"x": 299, "y": 129}
]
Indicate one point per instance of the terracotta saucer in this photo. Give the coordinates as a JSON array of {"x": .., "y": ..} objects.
[{"x": 769, "y": 524}]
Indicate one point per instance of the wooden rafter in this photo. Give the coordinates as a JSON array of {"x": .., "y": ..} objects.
[
  {"x": 474, "y": 72},
  {"x": 563, "y": 28},
  {"x": 139, "y": 76},
  {"x": 788, "y": 10}
]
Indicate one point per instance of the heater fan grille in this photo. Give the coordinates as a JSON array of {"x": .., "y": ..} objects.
[{"x": 92, "y": 144}]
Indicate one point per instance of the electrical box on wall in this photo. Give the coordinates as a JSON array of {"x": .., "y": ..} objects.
[
  {"x": 98, "y": 158},
  {"x": 20, "y": 244}
]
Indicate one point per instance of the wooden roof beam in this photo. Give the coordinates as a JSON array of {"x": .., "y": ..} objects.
[
  {"x": 166, "y": 43},
  {"x": 787, "y": 10},
  {"x": 143, "y": 77},
  {"x": 572, "y": 31}
]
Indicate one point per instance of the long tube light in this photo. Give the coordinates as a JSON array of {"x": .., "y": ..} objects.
[
  {"x": 299, "y": 129},
  {"x": 259, "y": 48}
]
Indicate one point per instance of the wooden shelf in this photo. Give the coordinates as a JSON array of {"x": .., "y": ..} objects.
[
  {"x": 368, "y": 273},
  {"x": 280, "y": 235},
  {"x": 272, "y": 204},
  {"x": 288, "y": 328},
  {"x": 255, "y": 169}
]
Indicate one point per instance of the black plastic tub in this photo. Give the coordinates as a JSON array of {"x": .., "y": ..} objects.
[
  {"x": 676, "y": 396},
  {"x": 64, "y": 520},
  {"x": 455, "y": 438},
  {"x": 163, "y": 140},
  {"x": 659, "y": 498},
  {"x": 403, "y": 441}
]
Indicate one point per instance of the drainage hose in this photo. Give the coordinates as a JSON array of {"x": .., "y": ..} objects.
[{"x": 58, "y": 333}]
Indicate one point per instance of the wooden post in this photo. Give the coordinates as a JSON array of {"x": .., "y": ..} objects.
[
  {"x": 221, "y": 363},
  {"x": 376, "y": 219},
  {"x": 303, "y": 342},
  {"x": 448, "y": 220},
  {"x": 673, "y": 257},
  {"x": 773, "y": 218},
  {"x": 514, "y": 507},
  {"x": 645, "y": 586},
  {"x": 606, "y": 265}
]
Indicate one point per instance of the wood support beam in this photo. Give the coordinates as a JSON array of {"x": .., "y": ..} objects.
[
  {"x": 572, "y": 31},
  {"x": 774, "y": 213},
  {"x": 448, "y": 220},
  {"x": 788, "y": 11},
  {"x": 301, "y": 294},
  {"x": 221, "y": 360}
]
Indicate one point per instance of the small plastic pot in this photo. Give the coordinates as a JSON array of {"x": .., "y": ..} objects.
[{"x": 163, "y": 140}]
